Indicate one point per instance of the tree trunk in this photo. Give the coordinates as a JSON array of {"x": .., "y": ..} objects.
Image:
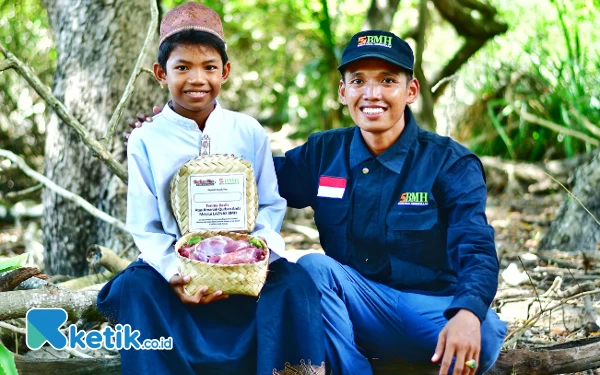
[
  {"x": 574, "y": 229},
  {"x": 97, "y": 42}
]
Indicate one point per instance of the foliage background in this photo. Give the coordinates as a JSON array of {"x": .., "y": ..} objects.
[{"x": 284, "y": 55}]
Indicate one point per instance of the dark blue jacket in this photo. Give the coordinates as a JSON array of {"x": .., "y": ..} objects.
[{"x": 412, "y": 218}]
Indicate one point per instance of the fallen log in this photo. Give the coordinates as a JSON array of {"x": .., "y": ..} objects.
[
  {"x": 573, "y": 356},
  {"x": 85, "y": 281},
  {"x": 72, "y": 366},
  {"x": 77, "y": 304},
  {"x": 10, "y": 280},
  {"x": 99, "y": 256}
]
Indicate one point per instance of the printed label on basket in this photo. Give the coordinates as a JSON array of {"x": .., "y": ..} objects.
[{"x": 217, "y": 202}]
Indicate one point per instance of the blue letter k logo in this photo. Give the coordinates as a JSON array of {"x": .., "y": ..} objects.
[{"x": 43, "y": 325}]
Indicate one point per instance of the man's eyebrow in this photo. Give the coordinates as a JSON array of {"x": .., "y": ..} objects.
[{"x": 385, "y": 73}]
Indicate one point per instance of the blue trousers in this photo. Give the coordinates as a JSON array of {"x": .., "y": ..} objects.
[
  {"x": 238, "y": 335},
  {"x": 365, "y": 319}
]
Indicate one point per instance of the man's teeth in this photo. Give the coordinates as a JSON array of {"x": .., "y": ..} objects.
[
  {"x": 196, "y": 92},
  {"x": 372, "y": 111}
]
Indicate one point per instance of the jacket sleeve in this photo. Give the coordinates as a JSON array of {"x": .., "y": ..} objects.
[
  {"x": 297, "y": 183},
  {"x": 143, "y": 218},
  {"x": 470, "y": 240},
  {"x": 271, "y": 206}
]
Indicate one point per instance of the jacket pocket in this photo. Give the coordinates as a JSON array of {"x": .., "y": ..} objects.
[
  {"x": 331, "y": 211},
  {"x": 331, "y": 218},
  {"x": 417, "y": 237}
]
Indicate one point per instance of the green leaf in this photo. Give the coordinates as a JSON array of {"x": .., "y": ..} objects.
[
  {"x": 7, "y": 362},
  {"x": 256, "y": 242},
  {"x": 194, "y": 240},
  {"x": 12, "y": 263}
]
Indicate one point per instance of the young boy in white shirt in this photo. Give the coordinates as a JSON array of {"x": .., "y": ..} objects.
[{"x": 236, "y": 335}]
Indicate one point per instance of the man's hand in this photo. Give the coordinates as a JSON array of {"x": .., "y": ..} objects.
[
  {"x": 139, "y": 120},
  {"x": 460, "y": 338},
  {"x": 177, "y": 282}
]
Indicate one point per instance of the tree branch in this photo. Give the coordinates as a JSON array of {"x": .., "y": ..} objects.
[
  {"x": 427, "y": 115},
  {"x": 465, "y": 24},
  {"x": 96, "y": 147},
  {"x": 9, "y": 280},
  {"x": 77, "y": 304},
  {"x": 476, "y": 32},
  {"x": 137, "y": 70},
  {"x": 62, "y": 192},
  {"x": 468, "y": 49},
  {"x": 380, "y": 15},
  {"x": 99, "y": 256},
  {"x": 555, "y": 127},
  {"x": 6, "y": 64}
]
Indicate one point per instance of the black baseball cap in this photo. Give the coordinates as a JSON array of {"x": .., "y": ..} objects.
[{"x": 378, "y": 44}]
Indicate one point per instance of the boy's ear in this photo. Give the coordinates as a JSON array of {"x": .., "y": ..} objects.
[
  {"x": 342, "y": 92},
  {"x": 160, "y": 74},
  {"x": 226, "y": 71}
]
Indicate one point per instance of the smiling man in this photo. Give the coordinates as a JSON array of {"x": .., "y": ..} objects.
[{"x": 410, "y": 268}]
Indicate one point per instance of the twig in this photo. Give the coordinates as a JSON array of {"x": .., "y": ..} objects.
[
  {"x": 576, "y": 281},
  {"x": 116, "y": 117},
  {"x": 574, "y": 197},
  {"x": 62, "y": 192},
  {"x": 556, "y": 284},
  {"x": 59, "y": 108},
  {"x": 13, "y": 195},
  {"x": 509, "y": 339},
  {"x": 442, "y": 81},
  {"x": 148, "y": 71},
  {"x": 12, "y": 328},
  {"x": 531, "y": 281},
  {"x": 595, "y": 130},
  {"x": 6, "y": 64}
]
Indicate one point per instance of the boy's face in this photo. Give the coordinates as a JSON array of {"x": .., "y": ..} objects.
[
  {"x": 194, "y": 76},
  {"x": 376, "y": 93}
]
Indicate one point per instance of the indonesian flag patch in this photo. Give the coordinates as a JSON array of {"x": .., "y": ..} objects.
[{"x": 331, "y": 187}]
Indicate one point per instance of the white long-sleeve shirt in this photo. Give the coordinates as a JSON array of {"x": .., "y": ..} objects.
[{"x": 158, "y": 149}]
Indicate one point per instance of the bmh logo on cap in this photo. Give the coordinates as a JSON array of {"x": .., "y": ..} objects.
[{"x": 375, "y": 40}]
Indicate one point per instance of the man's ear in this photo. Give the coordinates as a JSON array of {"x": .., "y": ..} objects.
[
  {"x": 413, "y": 91},
  {"x": 342, "y": 92},
  {"x": 226, "y": 71},
  {"x": 160, "y": 74}
]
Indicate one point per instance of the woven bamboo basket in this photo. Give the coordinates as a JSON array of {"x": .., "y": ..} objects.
[{"x": 246, "y": 279}]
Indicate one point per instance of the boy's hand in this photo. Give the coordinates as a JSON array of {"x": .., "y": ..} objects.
[
  {"x": 139, "y": 120},
  {"x": 177, "y": 282}
]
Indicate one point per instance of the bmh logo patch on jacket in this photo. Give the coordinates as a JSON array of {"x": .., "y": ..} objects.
[{"x": 418, "y": 198}]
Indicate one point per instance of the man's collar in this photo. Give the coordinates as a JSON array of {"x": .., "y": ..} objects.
[
  {"x": 215, "y": 117},
  {"x": 393, "y": 157}
]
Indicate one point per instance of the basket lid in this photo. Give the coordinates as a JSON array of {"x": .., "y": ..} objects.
[{"x": 215, "y": 193}]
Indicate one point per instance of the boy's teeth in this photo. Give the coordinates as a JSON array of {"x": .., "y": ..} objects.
[{"x": 372, "y": 111}]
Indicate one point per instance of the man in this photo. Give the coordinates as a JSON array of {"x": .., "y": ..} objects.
[{"x": 410, "y": 267}]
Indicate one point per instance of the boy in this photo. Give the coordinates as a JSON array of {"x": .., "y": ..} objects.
[{"x": 208, "y": 337}]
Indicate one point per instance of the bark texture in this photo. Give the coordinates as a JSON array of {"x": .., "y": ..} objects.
[
  {"x": 574, "y": 229},
  {"x": 98, "y": 42}
]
